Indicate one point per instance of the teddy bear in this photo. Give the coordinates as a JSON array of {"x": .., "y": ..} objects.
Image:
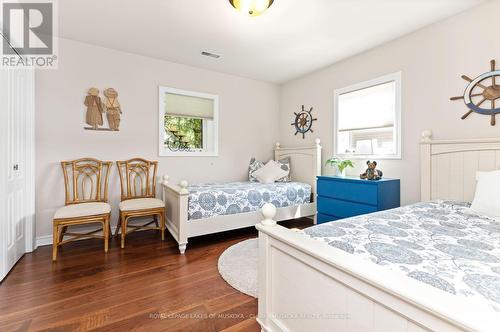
[{"x": 371, "y": 172}]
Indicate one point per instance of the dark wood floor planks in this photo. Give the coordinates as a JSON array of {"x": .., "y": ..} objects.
[{"x": 147, "y": 286}]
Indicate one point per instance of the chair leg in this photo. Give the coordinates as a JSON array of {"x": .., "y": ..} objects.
[
  {"x": 55, "y": 241},
  {"x": 124, "y": 221},
  {"x": 156, "y": 220},
  {"x": 162, "y": 225},
  {"x": 61, "y": 234},
  {"x": 105, "y": 231}
]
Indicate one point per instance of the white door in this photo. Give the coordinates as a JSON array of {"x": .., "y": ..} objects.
[{"x": 17, "y": 148}]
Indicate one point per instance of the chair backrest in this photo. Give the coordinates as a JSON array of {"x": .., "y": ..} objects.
[
  {"x": 137, "y": 178},
  {"x": 86, "y": 180}
]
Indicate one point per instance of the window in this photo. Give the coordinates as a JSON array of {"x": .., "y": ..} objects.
[
  {"x": 367, "y": 119},
  {"x": 188, "y": 123}
]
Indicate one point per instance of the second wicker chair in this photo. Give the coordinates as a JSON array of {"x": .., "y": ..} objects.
[{"x": 138, "y": 191}]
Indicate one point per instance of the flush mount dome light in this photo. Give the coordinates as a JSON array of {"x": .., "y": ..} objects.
[{"x": 251, "y": 7}]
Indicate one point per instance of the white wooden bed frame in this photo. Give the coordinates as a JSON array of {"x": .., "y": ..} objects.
[
  {"x": 307, "y": 285},
  {"x": 305, "y": 166}
]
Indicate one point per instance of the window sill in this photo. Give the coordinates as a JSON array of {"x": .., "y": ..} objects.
[
  {"x": 369, "y": 157},
  {"x": 165, "y": 152}
]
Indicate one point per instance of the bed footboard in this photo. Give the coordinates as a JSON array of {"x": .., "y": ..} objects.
[
  {"x": 176, "y": 204},
  {"x": 307, "y": 285}
]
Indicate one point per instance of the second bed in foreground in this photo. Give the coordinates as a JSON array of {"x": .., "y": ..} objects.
[{"x": 432, "y": 266}]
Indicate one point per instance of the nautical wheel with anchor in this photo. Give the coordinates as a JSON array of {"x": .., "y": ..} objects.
[
  {"x": 303, "y": 122},
  {"x": 480, "y": 93}
]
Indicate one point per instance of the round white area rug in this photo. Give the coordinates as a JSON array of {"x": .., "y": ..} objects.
[{"x": 238, "y": 266}]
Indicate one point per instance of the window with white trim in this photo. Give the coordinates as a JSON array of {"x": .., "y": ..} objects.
[
  {"x": 187, "y": 123},
  {"x": 368, "y": 119}
]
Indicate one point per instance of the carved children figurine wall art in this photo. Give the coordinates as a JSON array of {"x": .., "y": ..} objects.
[
  {"x": 94, "y": 109},
  {"x": 113, "y": 109}
]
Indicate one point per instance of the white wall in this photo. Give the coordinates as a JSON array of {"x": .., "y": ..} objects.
[
  {"x": 248, "y": 115},
  {"x": 432, "y": 61}
]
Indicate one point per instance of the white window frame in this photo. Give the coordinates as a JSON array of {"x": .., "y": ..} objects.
[
  {"x": 394, "y": 77},
  {"x": 164, "y": 151}
]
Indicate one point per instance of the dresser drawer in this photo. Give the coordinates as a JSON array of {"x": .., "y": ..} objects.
[
  {"x": 352, "y": 191},
  {"x": 343, "y": 209},
  {"x": 321, "y": 218}
]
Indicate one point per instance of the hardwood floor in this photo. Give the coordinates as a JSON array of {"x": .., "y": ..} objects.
[{"x": 147, "y": 286}]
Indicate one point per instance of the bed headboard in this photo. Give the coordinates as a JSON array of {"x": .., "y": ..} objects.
[
  {"x": 448, "y": 167},
  {"x": 305, "y": 162}
]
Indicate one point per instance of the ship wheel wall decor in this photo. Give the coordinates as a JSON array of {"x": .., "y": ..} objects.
[
  {"x": 479, "y": 94},
  {"x": 303, "y": 122}
]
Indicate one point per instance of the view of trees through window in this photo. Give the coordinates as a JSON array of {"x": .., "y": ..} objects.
[{"x": 184, "y": 129}]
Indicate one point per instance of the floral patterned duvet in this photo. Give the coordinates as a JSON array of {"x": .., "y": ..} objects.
[
  {"x": 441, "y": 243},
  {"x": 210, "y": 200}
]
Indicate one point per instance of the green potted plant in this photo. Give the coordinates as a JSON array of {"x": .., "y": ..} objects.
[{"x": 340, "y": 164}]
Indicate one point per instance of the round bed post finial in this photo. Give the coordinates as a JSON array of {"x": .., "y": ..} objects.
[
  {"x": 269, "y": 212},
  {"x": 183, "y": 184},
  {"x": 317, "y": 141},
  {"x": 277, "y": 145},
  {"x": 426, "y": 135},
  {"x": 165, "y": 179}
]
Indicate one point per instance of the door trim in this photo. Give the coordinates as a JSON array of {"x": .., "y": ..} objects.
[{"x": 30, "y": 227}]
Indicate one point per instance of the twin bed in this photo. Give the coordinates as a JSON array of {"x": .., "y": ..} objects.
[
  {"x": 194, "y": 210},
  {"x": 431, "y": 266}
]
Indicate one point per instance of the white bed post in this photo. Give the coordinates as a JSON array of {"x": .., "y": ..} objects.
[
  {"x": 264, "y": 282},
  {"x": 425, "y": 166},
  {"x": 164, "y": 182},
  {"x": 184, "y": 216},
  {"x": 317, "y": 141},
  {"x": 318, "y": 166},
  {"x": 176, "y": 204}
]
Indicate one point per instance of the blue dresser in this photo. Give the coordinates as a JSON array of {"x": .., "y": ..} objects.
[{"x": 343, "y": 197}]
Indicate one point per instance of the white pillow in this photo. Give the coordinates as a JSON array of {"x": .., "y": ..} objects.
[
  {"x": 486, "y": 199},
  {"x": 270, "y": 172}
]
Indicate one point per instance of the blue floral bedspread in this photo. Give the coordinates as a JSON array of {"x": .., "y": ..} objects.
[
  {"x": 210, "y": 200},
  {"x": 441, "y": 243}
]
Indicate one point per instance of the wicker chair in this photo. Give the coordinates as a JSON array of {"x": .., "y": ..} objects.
[
  {"x": 86, "y": 184},
  {"x": 138, "y": 190}
]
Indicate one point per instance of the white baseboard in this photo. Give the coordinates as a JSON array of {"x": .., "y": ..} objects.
[{"x": 44, "y": 240}]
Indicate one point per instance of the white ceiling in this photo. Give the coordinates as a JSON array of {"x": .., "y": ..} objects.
[{"x": 292, "y": 38}]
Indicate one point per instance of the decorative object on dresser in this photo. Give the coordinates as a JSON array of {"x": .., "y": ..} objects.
[
  {"x": 211, "y": 208},
  {"x": 113, "y": 109},
  {"x": 343, "y": 197},
  {"x": 303, "y": 122},
  {"x": 95, "y": 110},
  {"x": 474, "y": 98},
  {"x": 86, "y": 187},
  {"x": 138, "y": 188},
  {"x": 340, "y": 164},
  {"x": 371, "y": 172}
]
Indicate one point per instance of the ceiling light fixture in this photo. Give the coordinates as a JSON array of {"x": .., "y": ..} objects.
[{"x": 251, "y": 7}]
